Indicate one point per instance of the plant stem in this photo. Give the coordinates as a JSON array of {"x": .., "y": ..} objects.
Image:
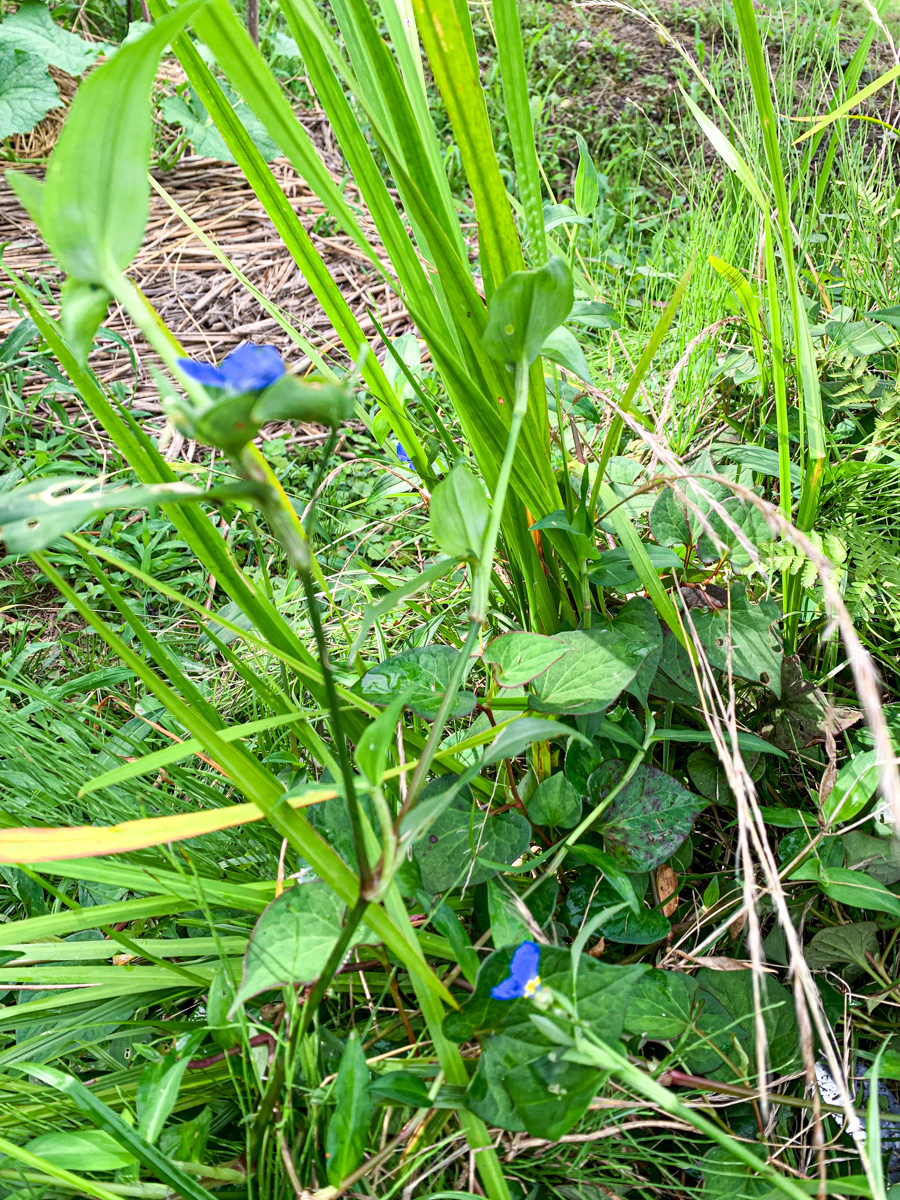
[{"x": 481, "y": 587}]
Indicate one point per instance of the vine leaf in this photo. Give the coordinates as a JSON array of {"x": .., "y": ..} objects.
[
  {"x": 649, "y": 819},
  {"x": 422, "y": 675},
  {"x": 740, "y": 637}
]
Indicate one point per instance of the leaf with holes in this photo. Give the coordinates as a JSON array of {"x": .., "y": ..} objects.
[
  {"x": 649, "y": 818},
  {"x": 740, "y": 636},
  {"x": 422, "y": 675}
]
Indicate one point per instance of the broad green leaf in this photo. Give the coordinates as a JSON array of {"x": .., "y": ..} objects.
[
  {"x": 465, "y": 846},
  {"x": 593, "y": 314},
  {"x": 843, "y": 944},
  {"x": 561, "y": 214},
  {"x": 508, "y": 926},
  {"x": 554, "y": 802},
  {"x": 857, "y": 890},
  {"x": 879, "y": 857},
  {"x": 400, "y": 1087},
  {"x": 518, "y": 658},
  {"x": 520, "y": 1082},
  {"x": 345, "y": 1142},
  {"x": 96, "y": 193},
  {"x": 615, "y": 570},
  {"x": 526, "y": 309},
  {"x": 197, "y": 124},
  {"x": 587, "y": 899},
  {"x": 459, "y": 514},
  {"x": 708, "y": 777},
  {"x": 649, "y": 818},
  {"x": 81, "y": 1150},
  {"x": 83, "y": 307},
  {"x": 31, "y": 28},
  {"x": 668, "y": 519},
  {"x": 422, "y": 675},
  {"x": 561, "y": 346},
  {"x": 854, "y": 787},
  {"x": 724, "y": 1178},
  {"x": 599, "y": 664},
  {"x": 661, "y": 1004},
  {"x": 292, "y": 940},
  {"x": 747, "y": 519},
  {"x": 587, "y": 185},
  {"x": 740, "y": 638},
  {"x": 27, "y": 94},
  {"x": 805, "y": 714}
]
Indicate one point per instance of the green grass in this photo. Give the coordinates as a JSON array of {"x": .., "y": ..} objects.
[{"x": 70, "y": 711}]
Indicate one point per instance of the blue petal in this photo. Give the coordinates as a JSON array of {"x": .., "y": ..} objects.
[
  {"x": 251, "y": 368},
  {"x": 202, "y": 372},
  {"x": 525, "y": 964},
  {"x": 403, "y": 456},
  {"x": 508, "y": 989}
]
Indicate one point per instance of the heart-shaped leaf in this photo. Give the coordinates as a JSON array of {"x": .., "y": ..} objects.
[
  {"x": 649, "y": 818},
  {"x": 422, "y": 676}
]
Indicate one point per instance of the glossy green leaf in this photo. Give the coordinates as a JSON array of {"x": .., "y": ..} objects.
[
  {"x": 649, "y": 818},
  {"x": 561, "y": 347},
  {"x": 400, "y": 1087},
  {"x": 857, "y": 890},
  {"x": 459, "y": 514},
  {"x": 526, "y": 308},
  {"x": 345, "y": 1142}
]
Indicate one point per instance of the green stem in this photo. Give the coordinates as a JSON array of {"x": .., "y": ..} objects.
[
  {"x": 609, "y": 1060},
  {"x": 481, "y": 588}
]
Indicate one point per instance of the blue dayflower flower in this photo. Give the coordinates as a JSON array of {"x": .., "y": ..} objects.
[
  {"x": 523, "y": 978},
  {"x": 250, "y": 368},
  {"x": 403, "y": 456}
]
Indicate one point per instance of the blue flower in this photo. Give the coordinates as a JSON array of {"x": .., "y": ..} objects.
[
  {"x": 248, "y": 369},
  {"x": 403, "y": 456},
  {"x": 523, "y": 978}
]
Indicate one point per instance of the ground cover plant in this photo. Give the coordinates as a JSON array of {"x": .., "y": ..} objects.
[{"x": 506, "y": 808}]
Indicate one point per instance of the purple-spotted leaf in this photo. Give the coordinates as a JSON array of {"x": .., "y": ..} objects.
[{"x": 649, "y": 818}]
